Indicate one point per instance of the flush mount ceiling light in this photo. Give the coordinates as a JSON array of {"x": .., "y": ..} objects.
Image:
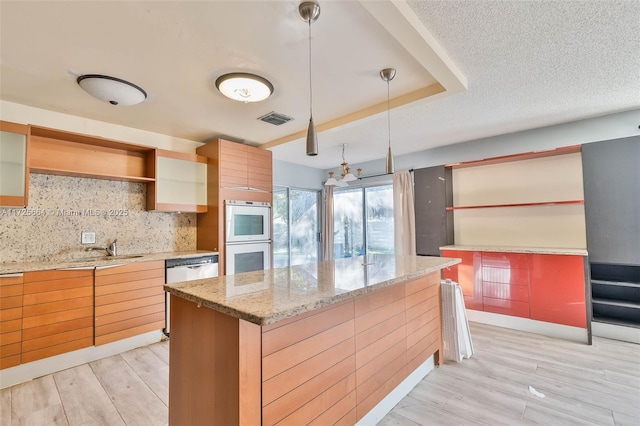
[
  {"x": 345, "y": 174},
  {"x": 111, "y": 90},
  {"x": 244, "y": 87},
  {"x": 309, "y": 12},
  {"x": 387, "y": 75}
]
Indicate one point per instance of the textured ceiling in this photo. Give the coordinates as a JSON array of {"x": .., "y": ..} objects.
[{"x": 527, "y": 65}]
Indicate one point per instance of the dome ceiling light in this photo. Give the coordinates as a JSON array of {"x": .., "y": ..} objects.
[
  {"x": 244, "y": 87},
  {"x": 112, "y": 90}
]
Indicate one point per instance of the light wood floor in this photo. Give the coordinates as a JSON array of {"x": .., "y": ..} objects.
[{"x": 582, "y": 384}]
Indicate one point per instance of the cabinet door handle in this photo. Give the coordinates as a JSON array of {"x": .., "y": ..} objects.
[
  {"x": 78, "y": 268},
  {"x": 108, "y": 266},
  {"x": 16, "y": 275}
]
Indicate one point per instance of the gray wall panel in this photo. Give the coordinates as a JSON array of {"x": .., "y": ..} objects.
[{"x": 612, "y": 200}]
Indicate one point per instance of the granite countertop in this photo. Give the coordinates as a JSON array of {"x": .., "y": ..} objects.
[
  {"x": 266, "y": 297},
  {"x": 507, "y": 249},
  {"x": 17, "y": 267}
]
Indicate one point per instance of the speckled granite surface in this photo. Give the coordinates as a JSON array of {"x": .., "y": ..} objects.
[
  {"x": 61, "y": 207},
  {"x": 532, "y": 250},
  {"x": 12, "y": 268},
  {"x": 266, "y": 297}
]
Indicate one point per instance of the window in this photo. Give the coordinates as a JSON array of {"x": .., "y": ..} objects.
[
  {"x": 295, "y": 226},
  {"x": 363, "y": 221}
]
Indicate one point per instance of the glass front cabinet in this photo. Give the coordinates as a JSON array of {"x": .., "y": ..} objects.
[{"x": 14, "y": 176}]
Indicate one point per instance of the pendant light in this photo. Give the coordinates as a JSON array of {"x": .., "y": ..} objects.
[
  {"x": 387, "y": 75},
  {"x": 345, "y": 173},
  {"x": 309, "y": 12}
]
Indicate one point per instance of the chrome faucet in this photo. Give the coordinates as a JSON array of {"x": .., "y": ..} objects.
[{"x": 112, "y": 249}]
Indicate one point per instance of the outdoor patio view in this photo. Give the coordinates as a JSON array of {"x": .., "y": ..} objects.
[{"x": 353, "y": 207}]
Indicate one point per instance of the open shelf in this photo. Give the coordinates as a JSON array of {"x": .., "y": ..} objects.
[
  {"x": 541, "y": 203},
  {"x": 616, "y": 321},
  {"x": 67, "y": 172},
  {"x": 614, "y": 302},
  {"x": 615, "y": 291},
  {"x": 71, "y": 154},
  {"x": 517, "y": 157}
]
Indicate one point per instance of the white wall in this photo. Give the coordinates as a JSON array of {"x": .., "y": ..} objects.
[
  {"x": 24, "y": 114},
  {"x": 613, "y": 126},
  {"x": 297, "y": 176}
]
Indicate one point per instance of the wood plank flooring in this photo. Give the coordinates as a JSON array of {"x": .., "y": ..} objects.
[{"x": 583, "y": 385}]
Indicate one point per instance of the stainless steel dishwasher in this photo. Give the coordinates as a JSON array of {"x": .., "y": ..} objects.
[{"x": 187, "y": 269}]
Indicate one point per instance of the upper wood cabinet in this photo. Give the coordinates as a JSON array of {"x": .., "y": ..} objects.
[
  {"x": 245, "y": 167},
  {"x": 14, "y": 175},
  {"x": 181, "y": 183},
  {"x": 234, "y": 172},
  {"x": 60, "y": 152}
]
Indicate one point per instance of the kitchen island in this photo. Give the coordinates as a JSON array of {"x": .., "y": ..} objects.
[{"x": 324, "y": 343}]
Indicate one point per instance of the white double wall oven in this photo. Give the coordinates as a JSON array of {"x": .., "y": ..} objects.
[{"x": 247, "y": 236}]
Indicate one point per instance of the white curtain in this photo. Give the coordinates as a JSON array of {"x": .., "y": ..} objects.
[
  {"x": 327, "y": 224},
  {"x": 404, "y": 219}
]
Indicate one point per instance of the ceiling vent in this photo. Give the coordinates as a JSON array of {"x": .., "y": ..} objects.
[{"x": 275, "y": 118}]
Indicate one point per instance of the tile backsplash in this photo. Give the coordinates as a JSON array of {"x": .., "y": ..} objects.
[{"x": 62, "y": 207}]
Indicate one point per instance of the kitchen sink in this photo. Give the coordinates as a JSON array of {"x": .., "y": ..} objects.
[{"x": 109, "y": 258}]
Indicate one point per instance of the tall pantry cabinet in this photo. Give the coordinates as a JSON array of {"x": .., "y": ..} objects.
[{"x": 234, "y": 172}]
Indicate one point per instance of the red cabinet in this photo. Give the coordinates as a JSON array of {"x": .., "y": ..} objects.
[
  {"x": 543, "y": 287},
  {"x": 467, "y": 274},
  {"x": 557, "y": 289},
  {"x": 505, "y": 283}
]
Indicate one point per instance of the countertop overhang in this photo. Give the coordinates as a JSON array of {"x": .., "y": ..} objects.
[
  {"x": 266, "y": 297},
  {"x": 529, "y": 250},
  {"x": 17, "y": 267}
]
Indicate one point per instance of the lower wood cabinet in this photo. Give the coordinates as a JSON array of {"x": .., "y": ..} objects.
[
  {"x": 543, "y": 287},
  {"x": 57, "y": 312},
  {"x": 327, "y": 366},
  {"x": 11, "y": 289},
  {"x": 129, "y": 300}
]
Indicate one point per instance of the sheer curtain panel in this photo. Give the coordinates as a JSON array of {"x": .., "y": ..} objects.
[{"x": 404, "y": 214}]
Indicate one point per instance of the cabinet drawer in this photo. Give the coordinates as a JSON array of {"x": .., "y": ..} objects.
[
  {"x": 506, "y": 307},
  {"x": 506, "y": 260},
  {"x": 505, "y": 275},
  {"x": 506, "y": 291}
]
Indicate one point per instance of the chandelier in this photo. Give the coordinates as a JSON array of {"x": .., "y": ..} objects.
[{"x": 345, "y": 173}]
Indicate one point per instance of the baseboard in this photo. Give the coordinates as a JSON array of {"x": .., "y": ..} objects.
[
  {"x": 29, "y": 371},
  {"x": 616, "y": 332},
  {"x": 383, "y": 408},
  {"x": 532, "y": 326}
]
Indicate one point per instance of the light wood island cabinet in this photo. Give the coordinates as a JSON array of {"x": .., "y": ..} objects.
[{"x": 318, "y": 343}]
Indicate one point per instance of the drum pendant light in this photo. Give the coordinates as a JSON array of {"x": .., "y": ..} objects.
[
  {"x": 387, "y": 75},
  {"x": 309, "y": 12}
]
